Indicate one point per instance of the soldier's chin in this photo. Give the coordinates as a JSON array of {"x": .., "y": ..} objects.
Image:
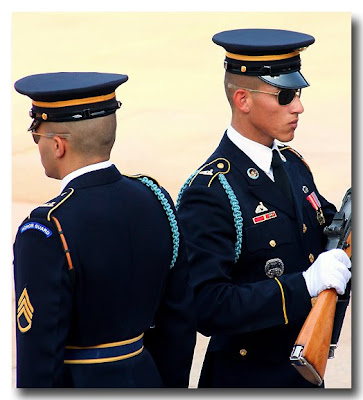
[{"x": 286, "y": 138}]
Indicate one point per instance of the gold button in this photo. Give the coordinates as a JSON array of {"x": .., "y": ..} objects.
[
  {"x": 243, "y": 68},
  {"x": 220, "y": 165},
  {"x": 272, "y": 243},
  {"x": 243, "y": 352},
  {"x": 44, "y": 116},
  {"x": 305, "y": 228},
  {"x": 311, "y": 258}
]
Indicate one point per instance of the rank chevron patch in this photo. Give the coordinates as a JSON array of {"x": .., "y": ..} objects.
[{"x": 25, "y": 312}]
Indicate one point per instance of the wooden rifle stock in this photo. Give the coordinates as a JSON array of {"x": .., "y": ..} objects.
[{"x": 311, "y": 351}]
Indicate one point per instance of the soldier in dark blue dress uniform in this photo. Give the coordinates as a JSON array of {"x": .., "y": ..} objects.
[
  {"x": 101, "y": 276},
  {"x": 253, "y": 220}
]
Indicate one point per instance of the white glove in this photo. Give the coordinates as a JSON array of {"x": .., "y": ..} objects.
[{"x": 329, "y": 270}]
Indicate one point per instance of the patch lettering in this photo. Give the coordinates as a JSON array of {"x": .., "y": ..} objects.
[{"x": 37, "y": 226}]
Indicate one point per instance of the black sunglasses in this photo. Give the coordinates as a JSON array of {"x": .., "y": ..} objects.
[{"x": 284, "y": 96}]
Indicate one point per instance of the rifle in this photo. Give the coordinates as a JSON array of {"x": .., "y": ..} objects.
[{"x": 319, "y": 335}]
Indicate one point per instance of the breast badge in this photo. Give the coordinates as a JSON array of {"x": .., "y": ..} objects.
[
  {"x": 274, "y": 267},
  {"x": 260, "y": 208},
  {"x": 253, "y": 173}
]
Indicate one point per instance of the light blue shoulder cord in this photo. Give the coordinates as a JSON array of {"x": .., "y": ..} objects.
[
  {"x": 169, "y": 213},
  {"x": 185, "y": 185},
  {"x": 236, "y": 210}
]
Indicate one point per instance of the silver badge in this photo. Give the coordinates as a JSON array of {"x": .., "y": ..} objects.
[
  {"x": 274, "y": 267},
  {"x": 253, "y": 173},
  {"x": 305, "y": 189},
  {"x": 206, "y": 172},
  {"x": 260, "y": 208},
  {"x": 51, "y": 204}
]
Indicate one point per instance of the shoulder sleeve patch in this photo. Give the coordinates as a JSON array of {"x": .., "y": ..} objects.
[
  {"x": 37, "y": 226},
  {"x": 137, "y": 176},
  {"x": 213, "y": 169},
  {"x": 45, "y": 210},
  {"x": 297, "y": 154}
]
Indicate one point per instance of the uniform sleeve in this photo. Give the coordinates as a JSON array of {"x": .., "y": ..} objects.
[
  {"x": 172, "y": 339},
  {"x": 43, "y": 294},
  {"x": 223, "y": 306}
]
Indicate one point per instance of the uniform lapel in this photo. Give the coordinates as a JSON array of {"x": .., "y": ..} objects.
[{"x": 263, "y": 187}]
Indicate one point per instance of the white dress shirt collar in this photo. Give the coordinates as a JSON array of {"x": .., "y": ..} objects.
[
  {"x": 261, "y": 155},
  {"x": 78, "y": 172}
]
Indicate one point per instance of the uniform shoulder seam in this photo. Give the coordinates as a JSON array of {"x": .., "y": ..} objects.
[
  {"x": 297, "y": 154},
  {"x": 212, "y": 169},
  {"x": 138, "y": 176},
  {"x": 45, "y": 210}
]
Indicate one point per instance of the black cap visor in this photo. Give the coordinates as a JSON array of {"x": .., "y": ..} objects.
[{"x": 294, "y": 80}]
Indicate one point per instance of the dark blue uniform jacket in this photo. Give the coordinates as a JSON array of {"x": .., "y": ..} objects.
[
  {"x": 235, "y": 220},
  {"x": 121, "y": 246}
]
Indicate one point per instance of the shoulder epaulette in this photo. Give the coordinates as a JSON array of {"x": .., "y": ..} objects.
[
  {"x": 211, "y": 170},
  {"x": 297, "y": 154},
  {"x": 220, "y": 168},
  {"x": 138, "y": 176},
  {"x": 45, "y": 210}
]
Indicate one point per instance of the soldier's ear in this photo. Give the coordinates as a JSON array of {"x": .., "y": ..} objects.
[
  {"x": 59, "y": 146},
  {"x": 241, "y": 99}
]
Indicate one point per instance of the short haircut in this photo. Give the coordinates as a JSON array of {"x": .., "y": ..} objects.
[
  {"x": 92, "y": 137},
  {"x": 250, "y": 82}
]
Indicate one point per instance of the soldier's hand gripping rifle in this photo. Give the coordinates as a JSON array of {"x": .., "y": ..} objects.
[{"x": 319, "y": 335}]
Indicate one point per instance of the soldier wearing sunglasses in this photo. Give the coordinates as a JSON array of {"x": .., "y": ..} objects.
[{"x": 254, "y": 220}]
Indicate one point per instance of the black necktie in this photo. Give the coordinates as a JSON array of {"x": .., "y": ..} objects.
[{"x": 280, "y": 175}]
